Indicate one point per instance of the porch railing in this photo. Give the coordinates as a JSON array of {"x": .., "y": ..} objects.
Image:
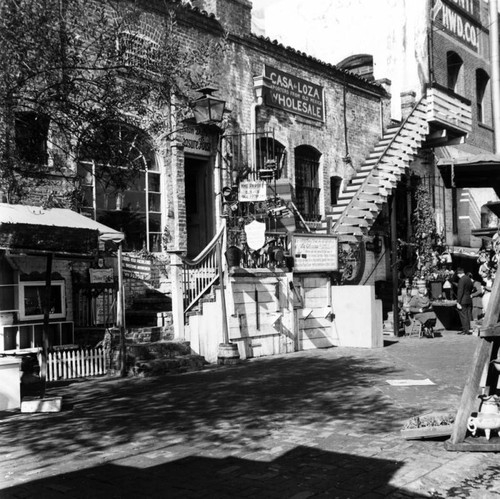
[{"x": 200, "y": 273}]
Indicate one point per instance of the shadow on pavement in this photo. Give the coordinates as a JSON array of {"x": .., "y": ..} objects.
[
  {"x": 302, "y": 472},
  {"x": 213, "y": 406}
]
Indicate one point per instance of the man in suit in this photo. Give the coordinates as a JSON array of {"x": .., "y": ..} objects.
[{"x": 464, "y": 300}]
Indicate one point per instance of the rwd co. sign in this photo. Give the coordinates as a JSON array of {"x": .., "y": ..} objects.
[
  {"x": 459, "y": 18},
  {"x": 295, "y": 95}
]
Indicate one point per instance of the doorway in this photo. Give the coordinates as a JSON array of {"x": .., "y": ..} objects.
[{"x": 199, "y": 204}]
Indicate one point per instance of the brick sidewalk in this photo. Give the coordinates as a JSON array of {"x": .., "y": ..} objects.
[{"x": 321, "y": 423}]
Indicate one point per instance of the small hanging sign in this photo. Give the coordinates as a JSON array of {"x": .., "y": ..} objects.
[
  {"x": 252, "y": 191},
  {"x": 256, "y": 235}
]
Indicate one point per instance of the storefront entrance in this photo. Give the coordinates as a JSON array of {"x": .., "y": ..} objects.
[{"x": 199, "y": 204}]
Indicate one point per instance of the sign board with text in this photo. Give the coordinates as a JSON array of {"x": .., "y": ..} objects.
[
  {"x": 293, "y": 94},
  {"x": 315, "y": 253},
  {"x": 252, "y": 191},
  {"x": 196, "y": 141},
  {"x": 460, "y": 19}
]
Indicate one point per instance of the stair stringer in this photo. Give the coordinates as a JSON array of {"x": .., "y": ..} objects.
[{"x": 363, "y": 198}]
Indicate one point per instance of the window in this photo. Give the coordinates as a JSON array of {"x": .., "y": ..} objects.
[
  {"x": 138, "y": 50},
  {"x": 307, "y": 182},
  {"x": 32, "y": 297},
  {"x": 483, "y": 97},
  {"x": 121, "y": 185},
  {"x": 31, "y": 132},
  {"x": 271, "y": 159},
  {"x": 455, "y": 73},
  {"x": 335, "y": 184}
]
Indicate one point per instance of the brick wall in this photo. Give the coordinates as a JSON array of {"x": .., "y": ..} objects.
[{"x": 482, "y": 134}]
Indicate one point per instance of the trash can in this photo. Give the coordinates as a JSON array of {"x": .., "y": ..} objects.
[{"x": 10, "y": 383}]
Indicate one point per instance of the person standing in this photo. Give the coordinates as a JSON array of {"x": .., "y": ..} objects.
[{"x": 464, "y": 300}]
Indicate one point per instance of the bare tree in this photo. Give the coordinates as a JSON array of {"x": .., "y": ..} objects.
[{"x": 69, "y": 67}]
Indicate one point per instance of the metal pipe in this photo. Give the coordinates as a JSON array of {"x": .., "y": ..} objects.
[{"x": 495, "y": 70}]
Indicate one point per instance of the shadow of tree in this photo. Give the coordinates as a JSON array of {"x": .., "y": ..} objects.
[
  {"x": 229, "y": 405},
  {"x": 302, "y": 472}
]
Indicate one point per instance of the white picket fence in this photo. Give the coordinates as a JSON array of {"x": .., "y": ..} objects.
[{"x": 70, "y": 364}]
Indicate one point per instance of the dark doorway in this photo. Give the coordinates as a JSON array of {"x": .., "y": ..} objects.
[{"x": 199, "y": 205}]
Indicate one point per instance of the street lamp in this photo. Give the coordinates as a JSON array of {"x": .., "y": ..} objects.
[{"x": 207, "y": 108}]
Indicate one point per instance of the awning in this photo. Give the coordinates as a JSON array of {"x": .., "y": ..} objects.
[
  {"x": 476, "y": 170},
  {"x": 32, "y": 228}
]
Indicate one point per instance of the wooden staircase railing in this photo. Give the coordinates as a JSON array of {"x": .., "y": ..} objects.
[
  {"x": 200, "y": 273},
  {"x": 362, "y": 199}
]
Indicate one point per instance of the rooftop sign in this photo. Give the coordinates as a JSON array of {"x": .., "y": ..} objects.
[{"x": 295, "y": 95}]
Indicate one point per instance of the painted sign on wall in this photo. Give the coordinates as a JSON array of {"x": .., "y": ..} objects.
[
  {"x": 294, "y": 94},
  {"x": 315, "y": 253},
  {"x": 458, "y": 18}
]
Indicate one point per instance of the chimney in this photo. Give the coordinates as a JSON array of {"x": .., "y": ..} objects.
[{"x": 234, "y": 15}]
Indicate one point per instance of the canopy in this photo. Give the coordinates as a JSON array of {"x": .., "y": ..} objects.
[
  {"x": 53, "y": 229},
  {"x": 477, "y": 170}
]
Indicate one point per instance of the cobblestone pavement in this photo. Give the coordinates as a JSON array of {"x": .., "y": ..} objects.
[{"x": 321, "y": 424}]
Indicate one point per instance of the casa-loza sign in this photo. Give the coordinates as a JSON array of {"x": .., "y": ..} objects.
[{"x": 294, "y": 94}]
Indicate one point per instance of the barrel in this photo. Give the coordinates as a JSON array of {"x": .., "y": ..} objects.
[{"x": 228, "y": 354}]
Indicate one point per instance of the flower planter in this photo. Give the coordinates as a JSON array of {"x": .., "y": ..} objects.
[
  {"x": 427, "y": 432},
  {"x": 428, "y": 426}
]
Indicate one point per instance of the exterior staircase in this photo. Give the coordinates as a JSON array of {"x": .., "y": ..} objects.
[{"x": 362, "y": 199}]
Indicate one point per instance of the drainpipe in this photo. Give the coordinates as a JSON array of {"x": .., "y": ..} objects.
[{"x": 495, "y": 71}]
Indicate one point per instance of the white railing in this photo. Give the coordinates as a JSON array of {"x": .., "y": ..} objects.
[
  {"x": 200, "y": 273},
  {"x": 81, "y": 363}
]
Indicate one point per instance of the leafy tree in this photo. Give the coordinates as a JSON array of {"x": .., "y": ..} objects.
[{"x": 69, "y": 68}]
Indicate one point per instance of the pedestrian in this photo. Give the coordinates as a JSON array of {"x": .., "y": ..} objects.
[
  {"x": 420, "y": 307},
  {"x": 464, "y": 300},
  {"x": 487, "y": 286},
  {"x": 477, "y": 298}
]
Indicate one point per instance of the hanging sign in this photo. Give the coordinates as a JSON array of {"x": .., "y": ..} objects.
[
  {"x": 252, "y": 191},
  {"x": 293, "y": 94},
  {"x": 256, "y": 235}
]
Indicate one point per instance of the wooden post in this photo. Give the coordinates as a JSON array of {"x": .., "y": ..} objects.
[
  {"x": 481, "y": 360},
  {"x": 394, "y": 268},
  {"x": 120, "y": 315},
  {"x": 46, "y": 320}
]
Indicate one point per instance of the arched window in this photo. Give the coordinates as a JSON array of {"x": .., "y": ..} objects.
[
  {"x": 271, "y": 158},
  {"x": 483, "y": 97},
  {"x": 307, "y": 182},
  {"x": 120, "y": 183},
  {"x": 455, "y": 73}
]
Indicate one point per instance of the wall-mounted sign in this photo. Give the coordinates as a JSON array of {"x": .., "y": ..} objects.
[
  {"x": 459, "y": 19},
  {"x": 197, "y": 141},
  {"x": 252, "y": 191},
  {"x": 101, "y": 275},
  {"x": 294, "y": 94},
  {"x": 315, "y": 253}
]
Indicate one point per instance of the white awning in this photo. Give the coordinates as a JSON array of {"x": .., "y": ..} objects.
[{"x": 55, "y": 217}]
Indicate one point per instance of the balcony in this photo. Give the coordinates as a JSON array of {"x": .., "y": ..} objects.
[{"x": 449, "y": 117}]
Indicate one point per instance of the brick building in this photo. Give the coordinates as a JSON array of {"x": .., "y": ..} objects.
[{"x": 297, "y": 180}]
